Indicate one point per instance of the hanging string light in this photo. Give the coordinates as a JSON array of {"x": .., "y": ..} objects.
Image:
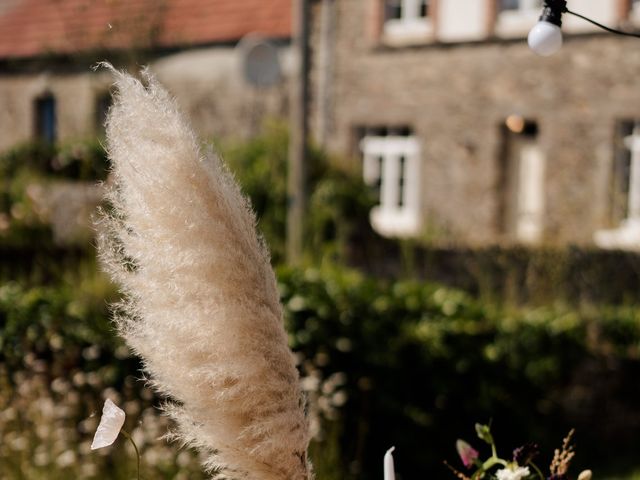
[{"x": 545, "y": 38}]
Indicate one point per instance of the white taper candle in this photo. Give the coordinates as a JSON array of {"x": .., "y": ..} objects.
[{"x": 389, "y": 471}]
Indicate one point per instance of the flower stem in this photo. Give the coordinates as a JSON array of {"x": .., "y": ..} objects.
[
  {"x": 128, "y": 436},
  {"x": 535, "y": 467}
]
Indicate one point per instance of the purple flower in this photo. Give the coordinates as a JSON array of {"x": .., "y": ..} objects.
[{"x": 525, "y": 453}]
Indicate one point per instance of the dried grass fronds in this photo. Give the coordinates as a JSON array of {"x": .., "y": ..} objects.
[
  {"x": 456, "y": 472},
  {"x": 202, "y": 308},
  {"x": 562, "y": 458}
]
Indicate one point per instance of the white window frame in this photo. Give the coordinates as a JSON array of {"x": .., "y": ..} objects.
[
  {"x": 634, "y": 13},
  {"x": 518, "y": 22},
  {"x": 382, "y": 162},
  {"x": 627, "y": 235},
  {"x": 410, "y": 28},
  {"x": 530, "y": 201}
]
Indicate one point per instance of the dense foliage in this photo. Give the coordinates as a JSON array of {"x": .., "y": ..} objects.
[
  {"x": 25, "y": 173},
  {"x": 59, "y": 358},
  {"x": 338, "y": 203},
  {"x": 384, "y": 362},
  {"x": 405, "y": 364},
  {"x": 420, "y": 363}
]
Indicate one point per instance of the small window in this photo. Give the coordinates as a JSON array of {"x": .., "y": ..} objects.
[
  {"x": 509, "y": 5},
  {"x": 521, "y": 5},
  {"x": 625, "y": 190},
  {"x": 407, "y": 21},
  {"x": 393, "y": 10},
  {"x": 406, "y": 10},
  {"x": 523, "y": 181},
  {"x": 515, "y": 17},
  {"x": 391, "y": 166},
  {"x": 45, "y": 118},
  {"x": 634, "y": 11}
]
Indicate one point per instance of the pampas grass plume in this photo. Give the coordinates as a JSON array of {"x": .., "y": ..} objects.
[{"x": 202, "y": 307}]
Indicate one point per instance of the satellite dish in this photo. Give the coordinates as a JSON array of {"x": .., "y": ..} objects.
[{"x": 259, "y": 61}]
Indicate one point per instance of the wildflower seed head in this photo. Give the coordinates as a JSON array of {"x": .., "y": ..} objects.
[{"x": 526, "y": 453}]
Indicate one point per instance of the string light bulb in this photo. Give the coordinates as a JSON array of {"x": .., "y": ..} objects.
[{"x": 545, "y": 38}]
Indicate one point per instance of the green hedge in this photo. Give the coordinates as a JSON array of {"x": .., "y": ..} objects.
[
  {"x": 338, "y": 203},
  {"x": 422, "y": 363},
  {"x": 22, "y": 221},
  {"x": 79, "y": 160},
  {"x": 406, "y": 363},
  {"x": 59, "y": 358}
]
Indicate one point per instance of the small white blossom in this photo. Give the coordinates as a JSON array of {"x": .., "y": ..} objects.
[
  {"x": 110, "y": 425},
  {"x": 513, "y": 473},
  {"x": 585, "y": 475}
]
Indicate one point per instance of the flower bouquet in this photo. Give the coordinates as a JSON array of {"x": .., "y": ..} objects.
[{"x": 522, "y": 464}]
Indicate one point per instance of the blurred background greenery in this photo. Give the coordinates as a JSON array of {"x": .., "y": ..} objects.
[{"x": 398, "y": 343}]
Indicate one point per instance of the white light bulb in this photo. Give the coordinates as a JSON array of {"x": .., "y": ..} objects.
[{"x": 545, "y": 38}]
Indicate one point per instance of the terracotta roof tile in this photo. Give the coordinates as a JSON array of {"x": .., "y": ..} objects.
[{"x": 35, "y": 27}]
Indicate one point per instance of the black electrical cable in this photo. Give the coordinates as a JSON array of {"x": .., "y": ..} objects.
[{"x": 604, "y": 27}]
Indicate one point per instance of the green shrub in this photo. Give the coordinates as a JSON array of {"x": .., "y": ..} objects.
[
  {"x": 423, "y": 363},
  {"x": 338, "y": 203},
  {"x": 59, "y": 357},
  {"x": 79, "y": 160},
  {"x": 24, "y": 170}
]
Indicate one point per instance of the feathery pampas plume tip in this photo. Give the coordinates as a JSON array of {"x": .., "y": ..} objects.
[{"x": 201, "y": 303}]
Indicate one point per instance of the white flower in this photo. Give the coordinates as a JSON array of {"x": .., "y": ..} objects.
[
  {"x": 585, "y": 475},
  {"x": 110, "y": 425},
  {"x": 389, "y": 470},
  {"x": 513, "y": 473}
]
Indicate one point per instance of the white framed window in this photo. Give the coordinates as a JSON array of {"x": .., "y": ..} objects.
[
  {"x": 515, "y": 17},
  {"x": 391, "y": 165},
  {"x": 625, "y": 191},
  {"x": 634, "y": 12},
  {"x": 523, "y": 181},
  {"x": 529, "y": 226},
  {"x": 407, "y": 21}
]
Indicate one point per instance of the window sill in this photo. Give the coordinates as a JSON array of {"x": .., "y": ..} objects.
[
  {"x": 399, "y": 33},
  {"x": 395, "y": 223},
  {"x": 625, "y": 237},
  {"x": 516, "y": 24}
]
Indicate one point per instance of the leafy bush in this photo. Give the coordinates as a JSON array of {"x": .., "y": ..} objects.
[
  {"x": 80, "y": 160},
  {"x": 25, "y": 169},
  {"x": 338, "y": 203},
  {"x": 384, "y": 363},
  {"x": 59, "y": 357},
  {"x": 421, "y": 363}
]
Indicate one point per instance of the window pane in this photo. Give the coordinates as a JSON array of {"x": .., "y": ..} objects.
[
  {"x": 393, "y": 9},
  {"x": 424, "y": 9},
  {"x": 45, "y": 118},
  {"x": 103, "y": 102},
  {"x": 377, "y": 187},
  {"x": 509, "y": 4},
  {"x": 401, "y": 181}
]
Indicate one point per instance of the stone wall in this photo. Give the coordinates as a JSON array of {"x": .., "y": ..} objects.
[
  {"x": 457, "y": 96},
  {"x": 454, "y": 96},
  {"x": 207, "y": 83}
]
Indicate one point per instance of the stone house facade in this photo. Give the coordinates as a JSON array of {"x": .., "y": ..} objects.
[
  {"x": 473, "y": 139},
  {"x": 48, "y": 49},
  {"x": 467, "y": 137}
]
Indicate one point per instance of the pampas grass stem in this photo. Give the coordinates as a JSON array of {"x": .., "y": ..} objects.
[{"x": 201, "y": 303}]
